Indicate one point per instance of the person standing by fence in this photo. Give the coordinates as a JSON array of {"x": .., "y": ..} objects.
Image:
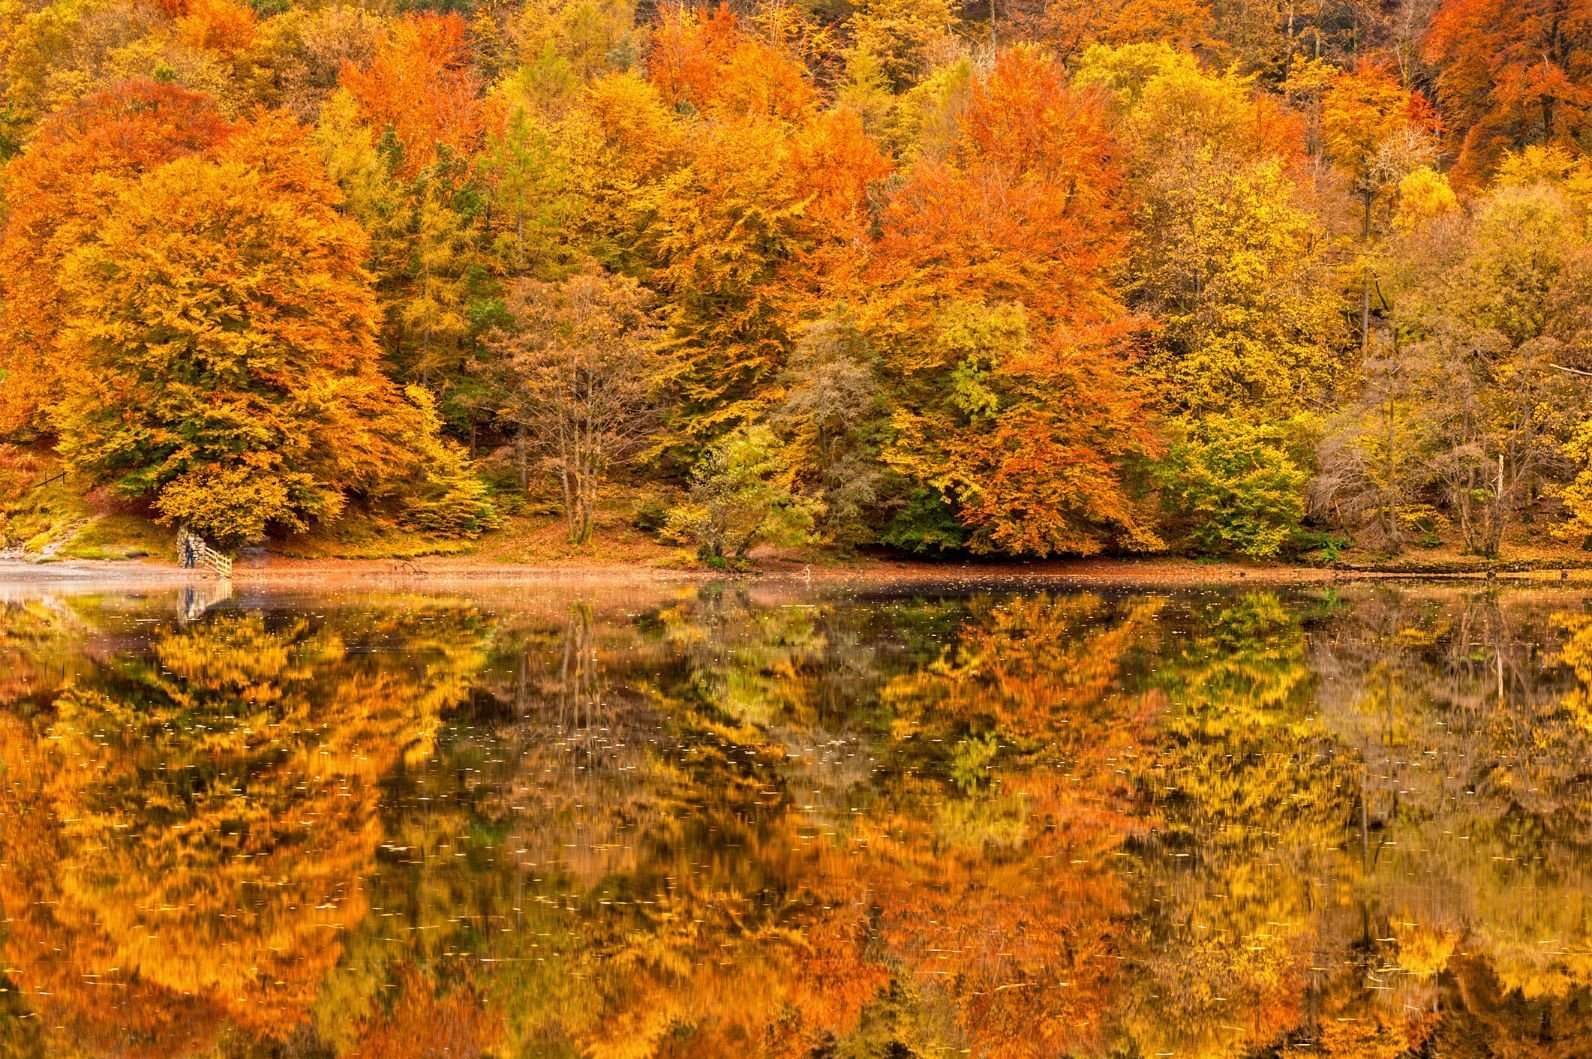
[{"x": 192, "y": 552}]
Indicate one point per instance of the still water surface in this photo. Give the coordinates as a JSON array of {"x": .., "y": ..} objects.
[{"x": 730, "y": 821}]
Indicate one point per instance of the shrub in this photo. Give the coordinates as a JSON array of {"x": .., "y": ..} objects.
[
  {"x": 1234, "y": 488},
  {"x": 737, "y": 501}
]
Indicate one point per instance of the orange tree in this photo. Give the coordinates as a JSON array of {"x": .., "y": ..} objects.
[
  {"x": 1512, "y": 74},
  {"x": 1000, "y": 324},
  {"x": 58, "y": 195},
  {"x": 225, "y": 328}
]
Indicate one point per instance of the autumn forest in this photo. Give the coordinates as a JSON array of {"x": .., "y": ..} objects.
[{"x": 1016, "y": 278}]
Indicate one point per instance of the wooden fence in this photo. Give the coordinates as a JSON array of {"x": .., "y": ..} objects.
[{"x": 192, "y": 551}]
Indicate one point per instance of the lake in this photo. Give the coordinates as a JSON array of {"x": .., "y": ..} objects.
[{"x": 746, "y": 820}]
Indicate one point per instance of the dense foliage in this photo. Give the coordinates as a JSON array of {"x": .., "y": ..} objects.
[{"x": 1022, "y": 280}]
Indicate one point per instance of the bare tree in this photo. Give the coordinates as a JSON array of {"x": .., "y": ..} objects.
[
  {"x": 579, "y": 374},
  {"x": 1375, "y": 460}
]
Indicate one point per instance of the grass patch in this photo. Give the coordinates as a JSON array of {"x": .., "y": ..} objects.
[
  {"x": 624, "y": 530},
  {"x": 121, "y": 537},
  {"x": 543, "y": 540},
  {"x": 359, "y": 536},
  {"x": 37, "y": 508}
]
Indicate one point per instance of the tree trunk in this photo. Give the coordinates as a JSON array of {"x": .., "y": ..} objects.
[
  {"x": 1495, "y": 515},
  {"x": 523, "y": 458},
  {"x": 1365, "y": 277},
  {"x": 1390, "y": 518}
]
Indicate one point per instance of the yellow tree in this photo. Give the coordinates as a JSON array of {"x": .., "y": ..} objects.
[
  {"x": 226, "y": 331},
  {"x": 1379, "y": 132},
  {"x": 1231, "y": 260}
]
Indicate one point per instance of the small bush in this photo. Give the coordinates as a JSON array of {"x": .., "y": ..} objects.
[
  {"x": 737, "y": 501},
  {"x": 650, "y": 517},
  {"x": 1234, "y": 488}
]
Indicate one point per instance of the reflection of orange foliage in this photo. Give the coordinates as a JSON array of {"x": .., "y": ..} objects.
[
  {"x": 760, "y": 953},
  {"x": 1013, "y": 916},
  {"x": 722, "y": 992},
  {"x": 759, "y": 947},
  {"x": 422, "y": 1025},
  {"x": 53, "y": 960},
  {"x": 1035, "y": 666},
  {"x": 1025, "y": 937},
  {"x": 207, "y": 823}
]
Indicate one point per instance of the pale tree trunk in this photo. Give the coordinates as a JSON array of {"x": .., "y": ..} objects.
[
  {"x": 1390, "y": 515},
  {"x": 1495, "y": 514},
  {"x": 1365, "y": 277}
]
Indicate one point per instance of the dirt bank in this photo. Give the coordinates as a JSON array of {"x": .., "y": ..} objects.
[
  {"x": 455, "y": 571},
  {"x": 458, "y": 571}
]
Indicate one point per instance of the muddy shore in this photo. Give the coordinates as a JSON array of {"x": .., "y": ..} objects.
[{"x": 303, "y": 575}]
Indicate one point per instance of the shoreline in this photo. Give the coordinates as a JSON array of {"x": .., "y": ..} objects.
[{"x": 453, "y": 572}]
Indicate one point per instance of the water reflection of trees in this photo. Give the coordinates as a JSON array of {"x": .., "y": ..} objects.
[
  {"x": 732, "y": 829},
  {"x": 41, "y": 647},
  {"x": 731, "y": 824},
  {"x": 187, "y": 827},
  {"x": 1251, "y": 797},
  {"x": 1474, "y": 837}
]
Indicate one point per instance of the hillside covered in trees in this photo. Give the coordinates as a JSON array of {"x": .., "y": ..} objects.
[{"x": 1010, "y": 278}]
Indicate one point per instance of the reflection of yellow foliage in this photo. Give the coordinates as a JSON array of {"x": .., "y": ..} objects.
[
  {"x": 40, "y": 645},
  {"x": 1577, "y": 655},
  {"x": 208, "y": 817},
  {"x": 51, "y": 957},
  {"x": 1423, "y": 951},
  {"x": 1361, "y": 1038},
  {"x": 1251, "y": 815}
]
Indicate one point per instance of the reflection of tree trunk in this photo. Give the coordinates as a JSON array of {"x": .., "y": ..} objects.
[
  {"x": 1365, "y": 825},
  {"x": 578, "y": 681},
  {"x": 519, "y": 685}
]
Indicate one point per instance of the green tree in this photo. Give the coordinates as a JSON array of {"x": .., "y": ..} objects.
[
  {"x": 737, "y": 500},
  {"x": 1236, "y": 487},
  {"x": 834, "y": 418}
]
